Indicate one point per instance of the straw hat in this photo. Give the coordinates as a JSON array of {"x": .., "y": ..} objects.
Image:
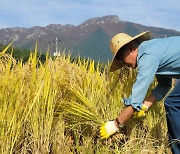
[{"x": 121, "y": 39}]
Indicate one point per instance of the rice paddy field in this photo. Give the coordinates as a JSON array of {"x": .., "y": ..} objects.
[{"x": 58, "y": 106}]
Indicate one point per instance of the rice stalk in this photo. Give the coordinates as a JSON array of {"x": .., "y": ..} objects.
[{"x": 84, "y": 109}]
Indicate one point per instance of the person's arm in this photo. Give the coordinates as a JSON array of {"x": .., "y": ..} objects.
[
  {"x": 111, "y": 127},
  {"x": 125, "y": 115},
  {"x": 164, "y": 85},
  {"x": 150, "y": 100},
  {"x": 128, "y": 112}
]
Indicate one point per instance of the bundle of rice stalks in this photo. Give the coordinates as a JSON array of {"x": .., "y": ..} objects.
[{"x": 82, "y": 108}]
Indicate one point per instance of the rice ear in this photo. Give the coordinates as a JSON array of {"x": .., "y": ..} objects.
[{"x": 3, "y": 52}]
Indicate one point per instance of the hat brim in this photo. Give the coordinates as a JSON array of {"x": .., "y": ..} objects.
[{"x": 139, "y": 38}]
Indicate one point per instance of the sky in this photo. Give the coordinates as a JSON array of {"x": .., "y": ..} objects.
[{"x": 29, "y": 13}]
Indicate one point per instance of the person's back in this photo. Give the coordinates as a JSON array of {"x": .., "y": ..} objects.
[{"x": 167, "y": 53}]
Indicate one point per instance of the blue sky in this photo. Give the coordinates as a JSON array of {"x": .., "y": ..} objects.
[{"x": 29, "y": 13}]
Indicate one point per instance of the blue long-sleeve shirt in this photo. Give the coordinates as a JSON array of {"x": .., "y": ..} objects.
[{"x": 160, "y": 57}]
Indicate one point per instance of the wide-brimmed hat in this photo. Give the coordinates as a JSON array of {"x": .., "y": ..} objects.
[{"x": 120, "y": 40}]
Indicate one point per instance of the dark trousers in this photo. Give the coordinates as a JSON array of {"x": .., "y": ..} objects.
[{"x": 172, "y": 106}]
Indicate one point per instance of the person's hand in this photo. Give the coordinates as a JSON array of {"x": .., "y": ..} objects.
[
  {"x": 142, "y": 112},
  {"x": 139, "y": 114},
  {"x": 107, "y": 129}
]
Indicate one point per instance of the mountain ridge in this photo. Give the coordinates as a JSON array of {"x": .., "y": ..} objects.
[{"x": 82, "y": 39}]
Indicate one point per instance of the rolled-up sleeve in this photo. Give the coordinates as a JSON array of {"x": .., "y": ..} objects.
[
  {"x": 147, "y": 67},
  {"x": 164, "y": 85}
]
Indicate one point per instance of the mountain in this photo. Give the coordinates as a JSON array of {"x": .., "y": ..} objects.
[{"x": 89, "y": 39}]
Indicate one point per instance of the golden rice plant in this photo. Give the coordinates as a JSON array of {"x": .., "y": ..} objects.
[{"x": 58, "y": 106}]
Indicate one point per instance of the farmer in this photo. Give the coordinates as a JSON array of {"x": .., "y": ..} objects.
[{"x": 160, "y": 57}]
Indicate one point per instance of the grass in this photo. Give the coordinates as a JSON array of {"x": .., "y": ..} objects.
[{"x": 58, "y": 106}]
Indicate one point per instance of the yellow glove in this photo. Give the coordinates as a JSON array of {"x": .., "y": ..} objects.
[
  {"x": 107, "y": 129},
  {"x": 139, "y": 114},
  {"x": 142, "y": 112}
]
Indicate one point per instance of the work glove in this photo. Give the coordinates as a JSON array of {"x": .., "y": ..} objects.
[
  {"x": 107, "y": 129},
  {"x": 142, "y": 112}
]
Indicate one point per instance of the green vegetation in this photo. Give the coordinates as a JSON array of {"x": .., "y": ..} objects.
[{"x": 58, "y": 107}]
